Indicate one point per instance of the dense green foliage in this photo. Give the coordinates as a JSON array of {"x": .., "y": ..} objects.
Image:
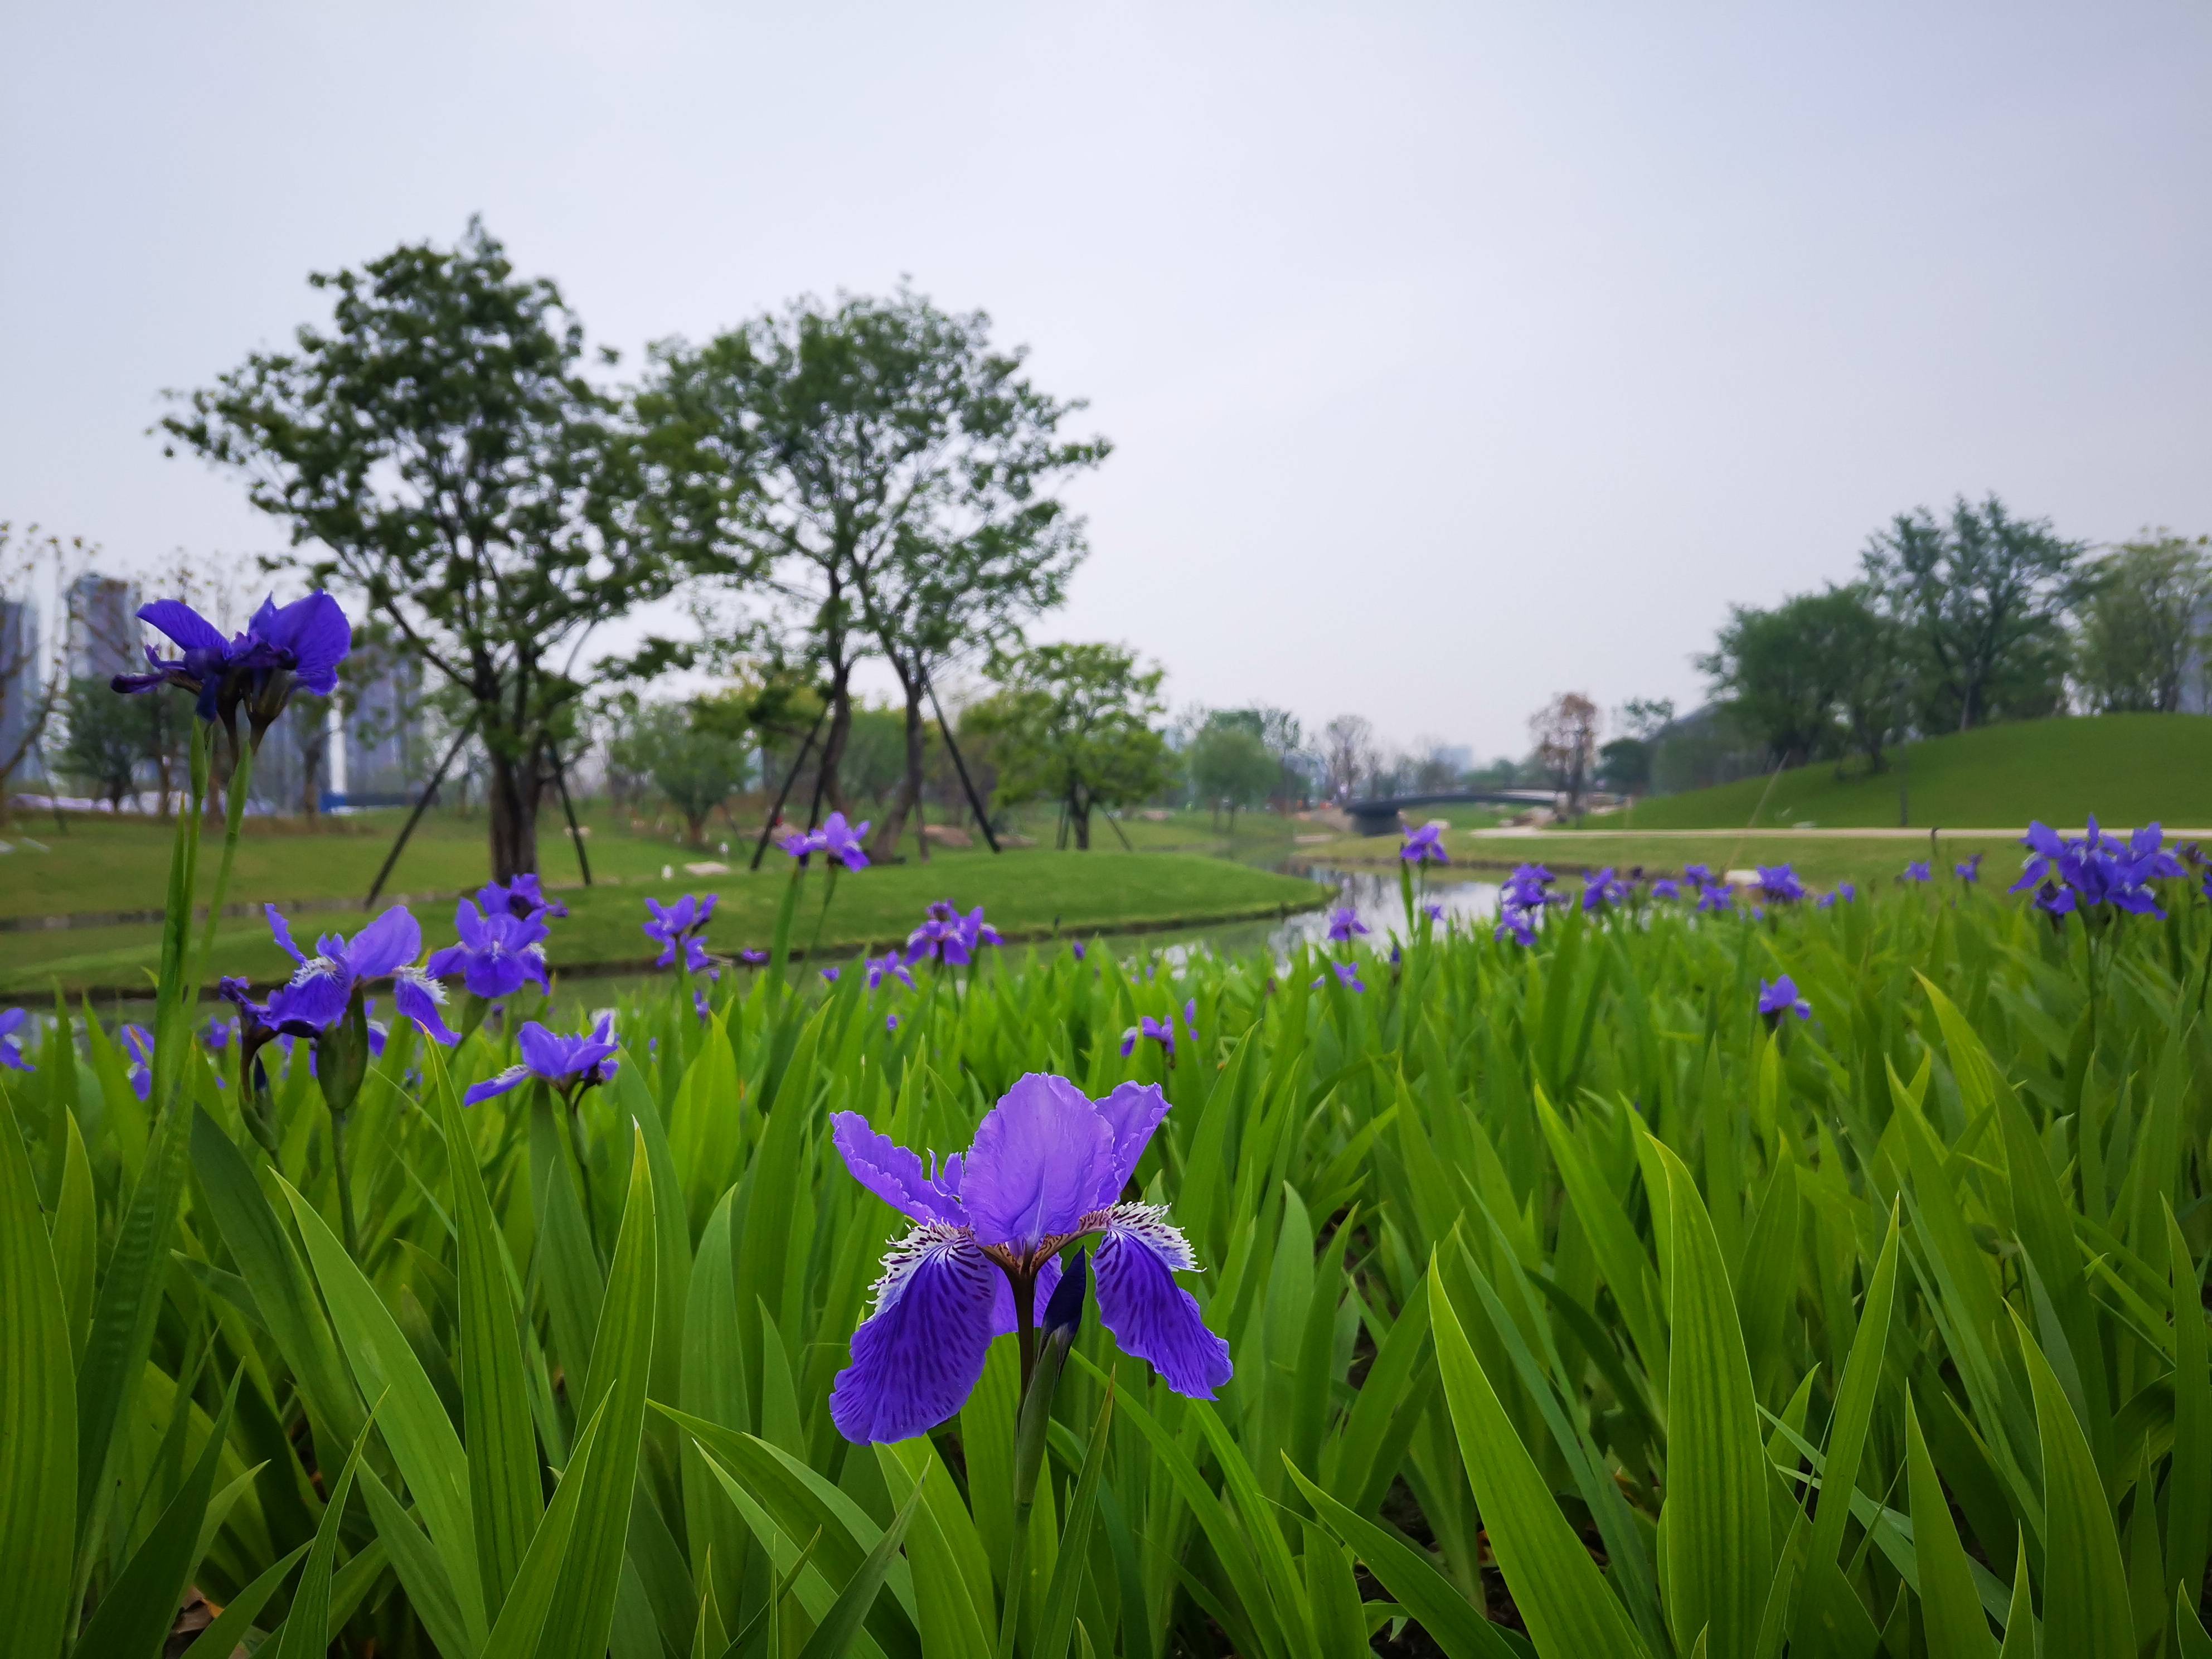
[{"x": 1558, "y": 1285}]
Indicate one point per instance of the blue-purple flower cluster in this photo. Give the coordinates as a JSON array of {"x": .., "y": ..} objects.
[
  {"x": 1521, "y": 902},
  {"x": 2095, "y": 870}
]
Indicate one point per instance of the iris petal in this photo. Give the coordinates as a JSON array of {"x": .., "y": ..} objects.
[
  {"x": 391, "y": 942},
  {"x": 191, "y": 630},
  {"x": 498, "y": 1084},
  {"x": 892, "y": 1172},
  {"x": 1132, "y": 1112},
  {"x": 917, "y": 1357},
  {"x": 416, "y": 999},
  {"x": 1039, "y": 1156},
  {"x": 1151, "y": 1316}
]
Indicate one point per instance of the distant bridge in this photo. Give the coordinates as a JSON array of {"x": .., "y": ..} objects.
[{"x": 1379, "y": 817}]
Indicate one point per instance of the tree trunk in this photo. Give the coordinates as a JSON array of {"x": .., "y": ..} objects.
[
  {"x": 513, "y": 815},
  {"x": 1079, "y": 815},
  {"x": 828, "y": 786},
  {"x": 909, "y": 799}
]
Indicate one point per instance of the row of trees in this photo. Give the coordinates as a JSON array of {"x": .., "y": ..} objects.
[
  {"x": 1957, "y": 623},
  {"x": 824, "y": 484}
]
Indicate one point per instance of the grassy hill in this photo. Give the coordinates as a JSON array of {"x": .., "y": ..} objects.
[{"x": 2126, "y": 768}]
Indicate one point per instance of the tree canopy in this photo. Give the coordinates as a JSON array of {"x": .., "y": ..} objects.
[
  {"x": 439, "y": 451},
  {"x": 1980, "y": 598},
  {"x": 1076, "y": 724},
  {"x": 888, "y": 472}
]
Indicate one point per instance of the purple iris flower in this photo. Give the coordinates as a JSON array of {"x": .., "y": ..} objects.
[
  {"x": 138, "y": 1046},
  {"x": 1778, "y": 885},
  {"x": 1348, "y": 974},
  {"x": 1781, "y": 997},
  {"x": 300, "y": 645},
  {"x": 13, "y": 1022},
  {"x": 890, "y": 1023},
  {"x": 890, "y": 966},
  {"x": 219, "y": 1034},
  {"x": 1601, "y": 888},
  {"x": 1433, "y": 909},
  {"x": 1700, "y": 874},
  {"x": 1190, "y": 1018},
  {"x": 1519, "y": 926},
  {"x": 522, "y": 897},
  {"x": 699, "y": 1006},
  {"x": 1426, "y": 845},
  {"x": 947, "y": 936},
  {"x": 830, "y": 973},
  {"x": 1047, "y": 1168},
  {"x": 1343, "y": 922},
  {"x": 753, "y": 958},
  {"x": 2097, "y": 869},
  {"x": 1970, "y": 871},
  {"x": 568, "y": 1065},
  {"x": 1161, "y": 1031},
  {"x": 322, "y": 989},
  {"x": 1666, "y": 888},
  {"x": 1844, "y": 893},
  {"x": 1919, "y": 871},
  {"x": 1716, "y": 896},
  {"x": 677, "y": 927},
  {"x": 1526, "y": 888},
  {"x": 803, "y": 844},
  {"x": 500, "y": 952},
  {"x": 842, "y": 843},
  {"x": 1076, "y": 945}
]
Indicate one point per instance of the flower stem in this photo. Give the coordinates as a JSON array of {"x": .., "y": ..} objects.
[
  {"x": 345, "y": 1185},
  {"x": 239, "y": 786}
]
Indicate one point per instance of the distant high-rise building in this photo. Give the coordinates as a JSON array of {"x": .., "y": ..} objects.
[
  {"x": 19, "y": 674},
  {"x": 383, "y": 734},
  {"x": 103, "y": 632}
]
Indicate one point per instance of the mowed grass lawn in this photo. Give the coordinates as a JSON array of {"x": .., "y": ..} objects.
[
  {"x": 1026, "y": 893},
  {"x": 2126, "y": 768}
]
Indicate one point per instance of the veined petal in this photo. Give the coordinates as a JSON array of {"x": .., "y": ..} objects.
[
  {"x": 545, "y": 1052},
  {"x": 892, "y": 1172},
  {"x": 918, "y": 1356},
  {"x": 319, "y": 636},
  {"x": 1132, "y": 1112},
  {"x": 392, "y": 941},
  {"x": 314, "y": 1000},
  {"x": 416, "y": 998},
  {"x": 1151, "y": 1316},
  {"x": 282, "y": 930},
  {"x": 1039, "y": 1156},
  {"x": 190, "y": 629},
  {"x": 498, "y": 1084}
]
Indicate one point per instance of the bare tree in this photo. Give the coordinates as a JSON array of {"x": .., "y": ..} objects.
[
  {"x": 1565, "y": 734},
  {"x": 1349, "y": 755},
  {"x": 34, "y": 670}
]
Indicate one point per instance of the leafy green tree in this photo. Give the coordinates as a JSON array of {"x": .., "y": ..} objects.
[
  {"x": 439, "y": 451},
  {"x": 1820, "y": 674},
  {"x": 107, "y": 737},
  {"x": 2144, "y": 622},
  {"x": 695, "y": 765},
  {"x": 1232, "y": 766},
  {"x": 1981, "y": 601},
  {"x": 892, "y": 475},
  {"x": 1076, "y": 724}
]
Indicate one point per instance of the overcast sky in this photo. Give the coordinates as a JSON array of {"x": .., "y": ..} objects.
[{"x": 1453, "y": 355}]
